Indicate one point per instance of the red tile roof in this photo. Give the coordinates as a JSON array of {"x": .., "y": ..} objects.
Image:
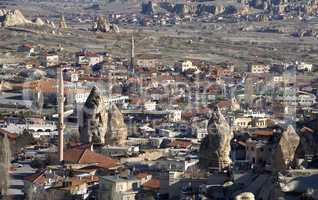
[
  {"x": 11, "y": 136},
  {"x": 306, "y": 130},
  {"x": 263, "y": 133},
  {"x": 152, "y": 184},
  {"x": 183, "y": 144},
  {"x": 224, "y": 104},
  {"x": 86, "y": 156},
  {"x": 87, "y": 54},
  {"x": 36, "y": 178},
  {"x": 142, "y": 175},
  {"x": 49, "y": 86}
]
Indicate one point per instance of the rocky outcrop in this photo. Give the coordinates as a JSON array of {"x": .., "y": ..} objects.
[
  {"x": 101, "y": 24},
  {"x": 39, "y": 22},
  {"x": 298, "y": 184},
  {"x": 215, "y": 147},
  {"x": 114, "y": 28},
  {"x": 183, "y": 9},
  {"x": 62, "y": 23},
  {"x": 245, "y": 196},
  {"x": 117, "y": 130},
  {"x": 12, "y": 18},
  {"x": 94, "y": 119},
  {"x": 285, "y": 149},
  {"x": 101, "y": 123},
  {"x": 219, "y": 9}
]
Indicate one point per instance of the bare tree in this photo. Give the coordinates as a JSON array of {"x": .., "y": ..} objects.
[{"x": 5, "y": 156}]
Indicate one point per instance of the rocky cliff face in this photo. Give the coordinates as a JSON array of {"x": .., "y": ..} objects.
[
  {"x": 39, "y": 22},
  {"x": 94, "y": 119},
  {"x": 62, "y": 23},
  {"x": 117, "y": 130},
  {"x": 101, "y": 24},
  {"x": 101, "y": 124},
  {"x": 12, "y": 18},
  {"x": 215, "y": 147},
  {"x": 285, "y": 149}
]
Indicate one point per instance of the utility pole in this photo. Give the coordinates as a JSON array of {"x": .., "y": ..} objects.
[{"x": 60, "y": 100}]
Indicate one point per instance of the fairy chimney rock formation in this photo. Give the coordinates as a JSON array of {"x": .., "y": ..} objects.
[
  {"x": 62, "y": 23},
  {"x": 285, "y": 149},
  {"x": 101, "y": 123},
  {"x": 12, "y": 18},
  {"x": 117, "y": 130},
  {"x": 93, "y": 127},
  {"x": 215, "y": 147},
  {"x": 102, "y": 24}
]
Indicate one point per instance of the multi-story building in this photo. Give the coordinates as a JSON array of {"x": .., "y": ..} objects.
[
  {"x": 259, "y": 68},
  {"x": 49, "y": 60},
  {"x": 118, "y": 188},
  {"x": 146, "y": 61},
  {"x": 88, "y": 58},
  {"x": 258, "y": 152}
]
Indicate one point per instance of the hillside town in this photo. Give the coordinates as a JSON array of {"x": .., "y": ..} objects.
[{"x": 91, "y": 124}]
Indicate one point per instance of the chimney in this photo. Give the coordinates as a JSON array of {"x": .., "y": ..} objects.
[{"x": 60, "y": 100}]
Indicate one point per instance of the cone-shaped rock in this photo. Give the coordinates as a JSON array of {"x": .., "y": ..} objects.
[
  {"x": 102, "y": 24},
  {"x": 62, "y": 23},
  {"x": 285, "y": 149},
  {"x": 102, "y": 123},
  {"x": 215, "y": 147},
  {"x": 117, "y": 130},
  {"x": 13, "y": 18},
  {"x": 93, "y": 126}
]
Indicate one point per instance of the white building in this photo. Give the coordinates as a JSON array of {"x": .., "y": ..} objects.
[
  {"x": 88, "y": 58},
  {"x": 175, "y": 115},
  {"x": 304, "y": 67},
  {"x": 259, "y": 68},
  {"x": 115, "y": 151},
  {"x": 150, "y": 105},
  {"x": 306, "y": 99},
  {"x": 187, "y": 65},
  {"x": 118, "y": 188},
  {"x": 178, "y": 165},
  {"x": 50, "y": 60},
  {"x": 168, "y": 133}
]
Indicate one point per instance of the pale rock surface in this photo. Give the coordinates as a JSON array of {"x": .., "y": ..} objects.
[
  {"x": 39, "y": 22},
  {"x": 245, "y": 196},
  {"x": 115, "y": 28},
  {"x": 62, "y": 23},
  {"x": 101, "y": 124},
  {"x": 215, "y": 147},
  {"x": 285, "y": 149},
  {"x": 12, "y": 18},
  {"x": 102, "y": 24},
  {"x": 117, "y": 130}
]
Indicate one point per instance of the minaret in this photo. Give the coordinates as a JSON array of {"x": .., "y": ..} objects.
[
  {"x": 132, "y": 54},
  {"x": 60, "y": 100}
]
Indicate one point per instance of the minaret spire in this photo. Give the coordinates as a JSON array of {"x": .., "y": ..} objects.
[
  {"x": 60, "y": 100},
  {"x": 132, "y": 54}
]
